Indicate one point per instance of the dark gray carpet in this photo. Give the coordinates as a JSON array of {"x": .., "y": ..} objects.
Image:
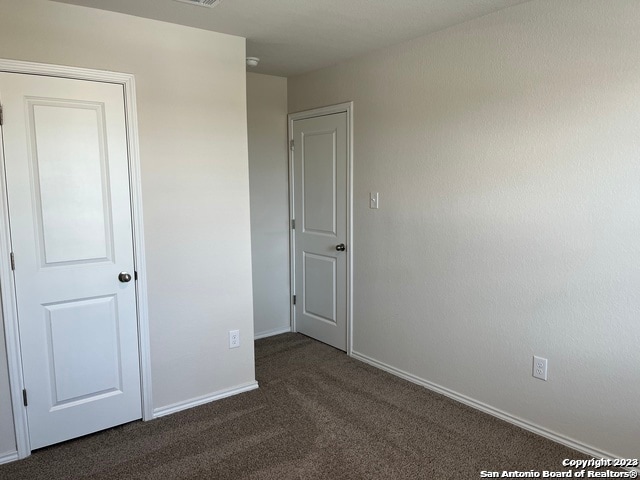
[{"x": 318, "y": 414}]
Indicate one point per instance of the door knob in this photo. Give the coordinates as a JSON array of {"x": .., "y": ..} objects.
[
  {"x": 341, "y": 247},
  {"x": 124, "y": 277}
]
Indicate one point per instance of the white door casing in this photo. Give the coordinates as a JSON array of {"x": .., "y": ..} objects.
[
  {"x": 66, "y": 130},
  {"x": 321, "y": 205}
]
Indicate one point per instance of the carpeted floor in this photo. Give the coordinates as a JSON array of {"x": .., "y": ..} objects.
[{"x": 318, "y": 414}]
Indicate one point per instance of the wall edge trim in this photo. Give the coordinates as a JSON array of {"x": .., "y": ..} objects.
[
  {"x": 197, "y": 401},
  {"x": 272, "y": 332},
  {"x": 9, "y": 457}
]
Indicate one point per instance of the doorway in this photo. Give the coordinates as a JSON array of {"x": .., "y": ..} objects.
[
  {"x": 75, "y": 319},
  {"x": 321, "y": 205}
]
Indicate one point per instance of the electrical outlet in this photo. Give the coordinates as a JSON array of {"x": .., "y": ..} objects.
[
  {"x": 540, "y": 368},
  {"x": 234, "y": 338}
]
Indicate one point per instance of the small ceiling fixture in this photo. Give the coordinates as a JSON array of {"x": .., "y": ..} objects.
[
  {"x": 252, "y": 61},
  {"x": 201, "y": 3}
]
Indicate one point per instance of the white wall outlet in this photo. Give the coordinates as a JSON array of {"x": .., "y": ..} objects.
[
  {"x": 374, "y": 200},
  {"x": 540, "y": 368},
  {"x": 234, "y": 338}
]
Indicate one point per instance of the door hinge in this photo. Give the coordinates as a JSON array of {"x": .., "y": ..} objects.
[
  {"x": 24, "y": 398},
  {"x": 292, "y": 145},
  {"x": 294, "y": 299},
  {"x": 1, "y": 116},
  {"x": 135, "y": 275},
  {"x": 13, "y": 261},
  {"x": 293, "y": 224}
]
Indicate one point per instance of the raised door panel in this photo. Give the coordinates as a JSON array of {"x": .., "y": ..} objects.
[
  {"x": 84, "y": 350},
  {"x": 70, "y": 181},
  {"x": 319, "y": 182},
  {"x": 319, "y": 286}
]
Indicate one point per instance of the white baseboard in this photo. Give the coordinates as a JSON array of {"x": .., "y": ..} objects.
[
  {"x": 8, "y": 457},
  {"x": 194, "y": 402},
  {"x": 271, "y": 333},
  {"x": 483, "y": 407}
]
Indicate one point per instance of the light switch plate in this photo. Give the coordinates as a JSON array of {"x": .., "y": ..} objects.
[{"x": 374, "y": 200}]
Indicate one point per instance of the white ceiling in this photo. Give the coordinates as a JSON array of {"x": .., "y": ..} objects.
[{"x": 296, "y": 36}]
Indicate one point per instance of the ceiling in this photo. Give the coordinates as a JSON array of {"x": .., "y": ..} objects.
[{"x": 296, "y": 36}]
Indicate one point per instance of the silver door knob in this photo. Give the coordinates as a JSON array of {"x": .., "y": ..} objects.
[
  {"x": 124, "y": 277},
  {"x": 341, "y": 247}
]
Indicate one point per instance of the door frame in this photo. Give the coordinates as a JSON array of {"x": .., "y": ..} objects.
[
  {"x": 7, "y": 284},
  {"x": 347, "y": 108}
]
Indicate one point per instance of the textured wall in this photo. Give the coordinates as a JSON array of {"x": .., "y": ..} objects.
[
  {"x": 195, "y": 183},
  {"x": 268, "y": 179},
  {"x": 505, "y": 151}
]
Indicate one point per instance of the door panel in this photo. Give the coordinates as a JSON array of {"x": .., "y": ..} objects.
[
  {"x": 320, "y": 209},
  {"x": 83, "y": 339},
  {"x": 70, "y": 180},
  {"x": 67, "y": 176},
  {"x": 319, "y": 185},
  {"x": 319, "y": 287}
]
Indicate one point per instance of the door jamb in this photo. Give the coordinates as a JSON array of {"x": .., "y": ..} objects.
[
  {"x": 9, "y": 312},
  {"x": 347, "y": 108}
]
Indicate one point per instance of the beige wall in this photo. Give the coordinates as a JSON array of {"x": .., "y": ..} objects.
[
  {"x": 193, "y": 145},
  {"x": 505, "y": 151},
  {"x": 268, "y": 174}
]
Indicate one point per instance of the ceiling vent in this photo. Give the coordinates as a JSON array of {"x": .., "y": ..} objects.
[{"x": 201, "y": 3}]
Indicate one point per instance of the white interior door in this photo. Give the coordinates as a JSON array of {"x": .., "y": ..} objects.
[
  {"x": 65, "y": 153},
  {"x": 320, "y": 212}
]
